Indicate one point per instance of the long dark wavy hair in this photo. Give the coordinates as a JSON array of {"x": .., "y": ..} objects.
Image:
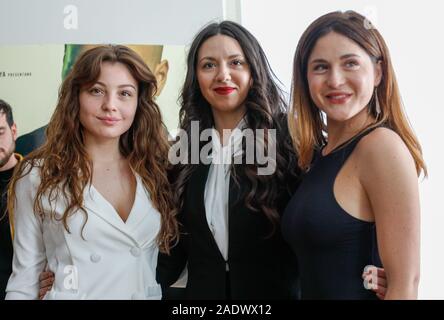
[
  {"x": 64, "y": 165},
  {"x": 265, "y": 109}
]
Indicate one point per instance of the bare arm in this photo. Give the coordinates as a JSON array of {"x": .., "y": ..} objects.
[{"x": 389, "y": 178}]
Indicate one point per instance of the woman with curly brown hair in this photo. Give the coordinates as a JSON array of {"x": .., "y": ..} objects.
[{"x": 94, "y": 202}]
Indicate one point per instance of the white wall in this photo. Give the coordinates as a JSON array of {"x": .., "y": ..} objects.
[
  {"x": 413, "y": 32},
  {"x": 171, "y": 22}
]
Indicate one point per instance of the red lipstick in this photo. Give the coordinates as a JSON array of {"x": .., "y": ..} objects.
[{"x": 224, "y": 90}]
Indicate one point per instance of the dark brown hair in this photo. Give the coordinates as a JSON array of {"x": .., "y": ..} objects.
[{"x": 266, "y": 109}]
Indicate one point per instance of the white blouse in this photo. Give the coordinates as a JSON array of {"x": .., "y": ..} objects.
[
  {"x": 113, "y": 260},
  {"x": 218, "y": 184}
]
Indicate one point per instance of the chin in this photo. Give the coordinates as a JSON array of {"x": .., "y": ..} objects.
[
  {"x": 227, "y": 107},
  {"x": 109, "y": 135},
  {"x": 339, "y": 117}
]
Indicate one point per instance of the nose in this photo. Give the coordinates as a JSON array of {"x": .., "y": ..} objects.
[
  {"x": 109, "y": 102},
  {"x": 335, "y": 78},
  {"x": 223, "y": 74}
]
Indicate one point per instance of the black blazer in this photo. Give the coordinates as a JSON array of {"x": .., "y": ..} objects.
[
  {"x": 30, "y": 141},
  {"x": 260, "y": 267}
]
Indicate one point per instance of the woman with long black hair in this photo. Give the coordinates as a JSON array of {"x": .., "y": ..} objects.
[{"x": 230, "y": 212}]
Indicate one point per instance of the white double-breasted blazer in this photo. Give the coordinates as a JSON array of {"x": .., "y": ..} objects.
[{"x": 113, "y": 260}]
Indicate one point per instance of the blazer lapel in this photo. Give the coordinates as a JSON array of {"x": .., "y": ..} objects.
[
  {"x": 96, "y": 204},
  {"x": 144, "y": 232},
  {"x": 134, "y": 228},
  {"x": 236, "y": 190},
  {"x": 196, "y": 205}
]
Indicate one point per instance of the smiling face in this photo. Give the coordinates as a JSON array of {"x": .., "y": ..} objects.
[
  {"x": 223, "y": 74},
  {"x": 341, "y": 77},
  {"x": 108, "y": 106}
]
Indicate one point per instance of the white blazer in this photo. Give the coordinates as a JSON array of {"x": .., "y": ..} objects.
[{"x": 113, "y": 260}]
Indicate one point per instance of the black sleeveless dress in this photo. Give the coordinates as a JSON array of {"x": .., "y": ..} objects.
[{"x": 332, "y": 247}]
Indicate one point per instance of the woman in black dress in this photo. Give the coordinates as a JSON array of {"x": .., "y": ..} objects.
[{"x": 358, "y": 201}]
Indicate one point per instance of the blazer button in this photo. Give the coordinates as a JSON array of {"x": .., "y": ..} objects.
[
  {"x": 95, "y": 258},
  {"x": 135, "y": 251}
]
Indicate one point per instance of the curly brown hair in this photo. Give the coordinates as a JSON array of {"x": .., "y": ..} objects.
[{"x": 65, "y": 167}]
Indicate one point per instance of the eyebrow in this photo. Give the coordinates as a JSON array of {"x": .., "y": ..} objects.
[
  {"x": 121, "y": 86},
  {"x": 345, "y": 56},
  {"x": 229, "y": 57}
]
